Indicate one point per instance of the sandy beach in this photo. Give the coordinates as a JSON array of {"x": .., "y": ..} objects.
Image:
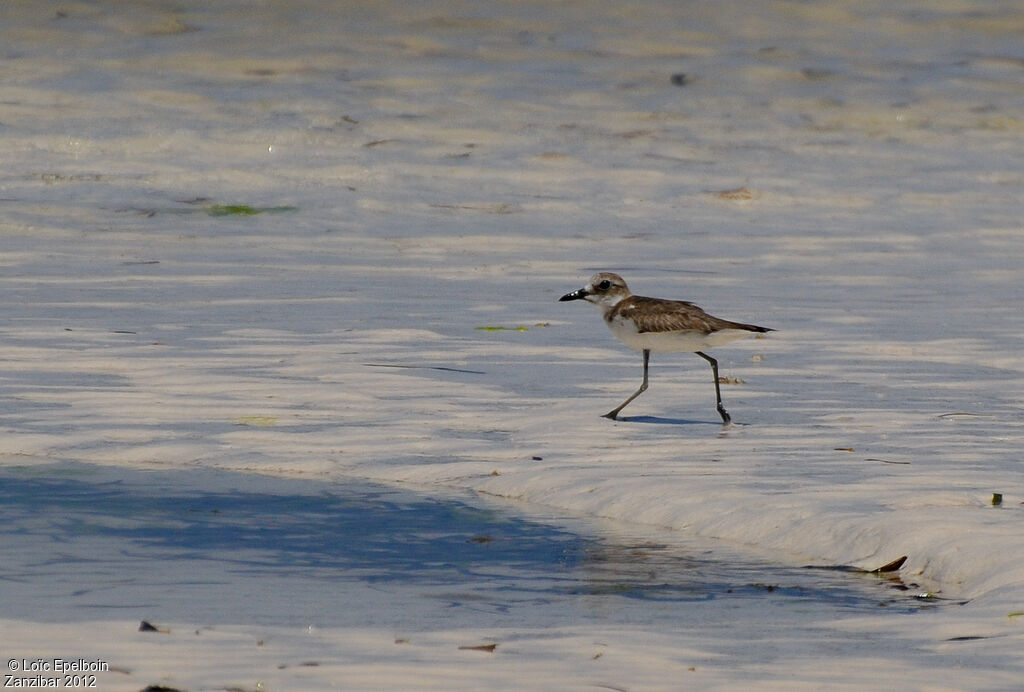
[{"x": 272, "y": 266}]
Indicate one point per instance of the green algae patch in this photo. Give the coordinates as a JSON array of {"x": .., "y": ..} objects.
[
  {"x": 245, "y": 210},
  {"x": 517, "y": 328}
]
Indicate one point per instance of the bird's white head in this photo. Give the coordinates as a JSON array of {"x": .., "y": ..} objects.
[{"x": 604, "y": 290}]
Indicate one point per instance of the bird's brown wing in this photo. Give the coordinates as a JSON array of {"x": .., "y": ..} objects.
[{"x": 660, "y": 315}]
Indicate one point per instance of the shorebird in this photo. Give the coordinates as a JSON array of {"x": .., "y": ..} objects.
[{"x": 659, "y": 325}]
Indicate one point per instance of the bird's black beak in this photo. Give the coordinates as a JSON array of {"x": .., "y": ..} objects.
[{"x": 578, "y": 294}]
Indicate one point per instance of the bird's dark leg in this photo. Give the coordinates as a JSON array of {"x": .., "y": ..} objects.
[
  {"x": 613, "y": 414},
  {"x": 718, "y": 392}
]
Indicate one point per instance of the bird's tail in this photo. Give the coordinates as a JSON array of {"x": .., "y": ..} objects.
[{"x": 749, "y": 327}]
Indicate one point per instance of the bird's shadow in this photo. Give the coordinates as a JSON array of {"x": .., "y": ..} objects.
[{"x": 662, "y": 421}]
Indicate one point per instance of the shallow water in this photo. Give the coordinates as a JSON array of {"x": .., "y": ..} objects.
[
  {"x": 264, "y": 236},
  {"x": 205, "y": 547}
]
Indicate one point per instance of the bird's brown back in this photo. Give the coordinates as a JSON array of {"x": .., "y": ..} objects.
[{"x": 662, "y": 315}]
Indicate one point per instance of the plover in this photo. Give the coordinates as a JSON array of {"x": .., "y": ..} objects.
[{"x": 659, "y": 325}]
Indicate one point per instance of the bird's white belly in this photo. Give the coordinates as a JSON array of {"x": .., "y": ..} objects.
[{"x": 671, "y": 342}]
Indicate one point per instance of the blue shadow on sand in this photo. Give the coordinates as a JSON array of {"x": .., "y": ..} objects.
[
  {"x": 381, "y": 532},
  {"x": 83, "y": 541}
]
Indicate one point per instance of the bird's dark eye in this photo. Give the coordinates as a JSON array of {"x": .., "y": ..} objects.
[{"x": 605, "y": 285}]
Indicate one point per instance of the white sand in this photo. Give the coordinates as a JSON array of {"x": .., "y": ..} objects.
[{"x": 852, "y": 177}]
